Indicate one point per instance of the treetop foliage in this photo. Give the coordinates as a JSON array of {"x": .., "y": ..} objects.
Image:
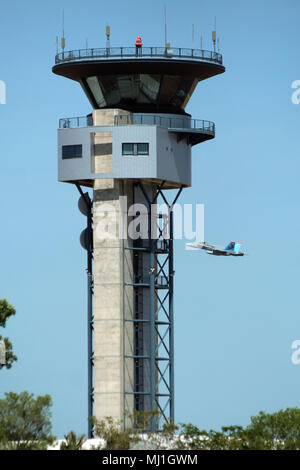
[
  {"x": 6, "y": 311},
  {"x": 266, "y": 431},
  {"x": 25, "y": 424},
  {"x": 25, "y": 421}
]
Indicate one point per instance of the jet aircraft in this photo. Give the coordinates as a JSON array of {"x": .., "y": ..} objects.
[{"x": 232, "y": 249}]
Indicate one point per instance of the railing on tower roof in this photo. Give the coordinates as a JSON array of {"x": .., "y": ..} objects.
[
  {"x": 145, "y": 119},
  {"x": 141, "y": 52}
]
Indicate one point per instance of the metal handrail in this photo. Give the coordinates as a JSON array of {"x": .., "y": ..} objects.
[
  {"x": 80, "y": 121},
  {"x": 111, "y": 52},
  {"x": 169, "y": 122},
  {"x": 144, "y": 119}
]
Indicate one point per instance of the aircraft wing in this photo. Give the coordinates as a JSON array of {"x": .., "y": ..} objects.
[{"x": 200, "y": 246}]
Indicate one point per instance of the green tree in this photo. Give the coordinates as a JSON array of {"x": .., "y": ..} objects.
[
  {"x": 275, "y": 431},
  {"x": 6, "y": 311},
  {"x": 73, "y": 442},
  {"x": 25, "y": 421},
  {"x": 110, "y": 430}
]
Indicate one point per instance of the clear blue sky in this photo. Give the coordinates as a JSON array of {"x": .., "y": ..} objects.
[{"x": 235, "y": 318}]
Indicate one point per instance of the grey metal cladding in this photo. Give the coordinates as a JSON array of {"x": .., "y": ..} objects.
[
  {"x": 134, "y": 166},
  {"x": 173, "y": 158},
  {"x": 78, "y": 168},
  {"x": 168, "y": 158}
]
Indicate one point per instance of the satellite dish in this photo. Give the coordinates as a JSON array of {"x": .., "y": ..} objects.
[
  {"x": 2, "y": 353},
  {"x": 82, "y": 204},
  {"x": 86, "y": 239}
]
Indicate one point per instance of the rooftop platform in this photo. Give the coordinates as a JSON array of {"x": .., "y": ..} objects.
[
  {"x": 197, "y": 130},
  {"x": 148, "y": 79},
  {"x": 144, "y": 52}
]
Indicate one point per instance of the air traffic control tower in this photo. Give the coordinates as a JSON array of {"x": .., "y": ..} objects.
[{"x": 132, "y": 148}]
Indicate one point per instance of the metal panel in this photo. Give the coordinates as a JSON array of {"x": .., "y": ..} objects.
[
  {"x": 173, "y": 158},
  {"x": 74, "y": 168},
  {"x": 134, "y": 166}
]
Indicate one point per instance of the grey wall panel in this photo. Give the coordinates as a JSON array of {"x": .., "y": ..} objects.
[
  {"x": 74, "y": 168},
  {"x": 78, "y": 168},
  {"x": 173, "y": 158},
  {"x": 134, "y": 166}
]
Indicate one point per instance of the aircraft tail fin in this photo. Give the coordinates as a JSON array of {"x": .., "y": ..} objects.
[{"x": 234, "y": 246}]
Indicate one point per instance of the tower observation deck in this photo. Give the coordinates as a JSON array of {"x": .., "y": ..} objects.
[{"x": 133, "y": 146}]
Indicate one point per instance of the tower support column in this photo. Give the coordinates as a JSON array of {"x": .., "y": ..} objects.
[{"x": 111, "y": 266}]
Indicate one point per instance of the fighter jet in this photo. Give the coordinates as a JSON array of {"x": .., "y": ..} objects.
[{"x": 232, "y": 249}]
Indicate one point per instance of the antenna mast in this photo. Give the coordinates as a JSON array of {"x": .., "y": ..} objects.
[
  {"x": 63, "y": 40},
  {"x": 108, "y": 39},
  {"x": 214, "y": 34},
  {"x": 165, "y": 9}
]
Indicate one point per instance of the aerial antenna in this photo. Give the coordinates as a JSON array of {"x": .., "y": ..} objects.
[
  {"x": 219, "y": 45},
  {"x": 165, "y": 10},
  {"x": 201, "y": 45},
  {"x": 108, "y": 39},
  {"x": 56, "y": 45},
  {"x": 63, "y": 39},
  {"x": 86, "y": 43},
  {"x": 214, "y": 34}
]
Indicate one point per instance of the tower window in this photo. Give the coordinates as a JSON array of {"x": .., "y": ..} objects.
[
  {"x": 142, "y": 149},
  {"x": 135, "y": 149},
  {"x": 71, "y": 151}
]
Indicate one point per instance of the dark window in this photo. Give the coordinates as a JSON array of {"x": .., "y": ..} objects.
[
  {"x": 142, "y": 149},
  {"x": 71, "y": 151},
  {"x": 134, "y": 91},
  {"x": 135, "y": 149},
  {"x": 127, "y": 149}
]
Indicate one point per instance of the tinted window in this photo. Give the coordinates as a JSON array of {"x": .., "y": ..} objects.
[
  {"x": 135, "y": 91},
  {"x": 143, "y": 149},
  {"x": 135, "y": 149},
  {"x": 127, "y": 149},
  {"x": 71, "y": 151}
]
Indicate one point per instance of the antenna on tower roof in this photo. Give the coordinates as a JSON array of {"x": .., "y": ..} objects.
[
  {"x": 165, "y": 11},
  {"x": 167, "y": 44},
  {"x": 107, "y": 39},
  {"x": 214, "y": 34},
  {"x": 201, "y": 42},
  {"x": 63, "y": 39}
]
